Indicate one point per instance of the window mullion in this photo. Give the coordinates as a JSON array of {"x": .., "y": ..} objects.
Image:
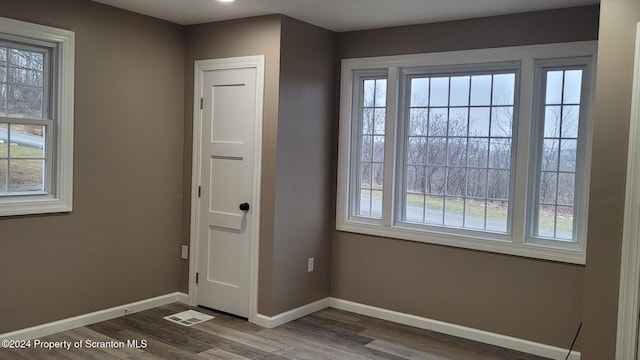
[
  {"x": 523, "y": 139},
  {"x": 389, "y": 201}
]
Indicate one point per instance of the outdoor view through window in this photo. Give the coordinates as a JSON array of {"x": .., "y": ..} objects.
[
  {"x": 22, "y": 109},
  {"x": 458, "y": 151},
  {"x": 458, "y": 148},
  {"x": 558, "y": 156}
]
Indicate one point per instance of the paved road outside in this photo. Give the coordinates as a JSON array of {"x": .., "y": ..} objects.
[
  {"x": 22, "y": 139},
  {"x": 414, "y": 213}
]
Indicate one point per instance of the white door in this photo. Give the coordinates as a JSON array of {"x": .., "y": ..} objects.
[{"x": 226, "y": 180}]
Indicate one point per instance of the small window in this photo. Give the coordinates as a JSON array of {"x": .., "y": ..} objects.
[
  {"x": 372, "y": 110},
  {"x": 560, "y": 169},
  {"x": 36, "y": 118}
]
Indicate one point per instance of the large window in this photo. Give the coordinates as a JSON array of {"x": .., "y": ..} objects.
[
  {"x": 36, "y": 118},
  {"x": 484, "y": 149},
  {"x": 457, "y": 149}
]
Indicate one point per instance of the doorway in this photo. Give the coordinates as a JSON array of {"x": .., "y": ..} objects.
[{"x": 225, "y": 216}]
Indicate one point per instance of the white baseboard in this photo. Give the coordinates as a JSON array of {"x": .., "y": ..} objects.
[
  {"x": 285, "y": 317},
  {"x": 486, "y": 337},
  {"x": 94, "y": 317}
]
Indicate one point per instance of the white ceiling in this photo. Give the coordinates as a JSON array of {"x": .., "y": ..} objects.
[{"x": 338, "y": 15}]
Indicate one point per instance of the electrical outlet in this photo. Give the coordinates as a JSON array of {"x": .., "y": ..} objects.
[
  {"x": 185, "y": 252},
  {"x": 310, "y": 263}
]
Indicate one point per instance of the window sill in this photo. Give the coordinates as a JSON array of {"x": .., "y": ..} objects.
[
  {"x": 498, "y": 244},
  {"x": 32, "y": 205}
]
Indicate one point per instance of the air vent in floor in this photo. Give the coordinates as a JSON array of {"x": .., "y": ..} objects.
[{"x": 188, "y": 318}]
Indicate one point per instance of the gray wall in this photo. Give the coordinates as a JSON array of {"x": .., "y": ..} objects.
[
  {"x": 531, "y": 299},
  {"x": 304, "y": 212},
  {"x": 121, "y": 243},
  {"x": 616, "y": 45}
]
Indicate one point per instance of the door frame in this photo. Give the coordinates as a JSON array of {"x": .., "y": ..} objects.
[
  {"x": 629, "y": 300},
  {"x": 200, "y": 67}
]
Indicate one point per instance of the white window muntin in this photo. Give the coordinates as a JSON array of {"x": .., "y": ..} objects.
[
  {"x": 509, "y": 67},
  {"x": 60, "y": 105},
  {"x": 583, "y": 151}
]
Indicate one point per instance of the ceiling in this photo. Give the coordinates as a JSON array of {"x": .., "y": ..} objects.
[{"x": 338, "y": 15}]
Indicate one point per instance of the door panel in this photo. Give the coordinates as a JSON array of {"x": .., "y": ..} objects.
[{"x": 228, "y": 128}]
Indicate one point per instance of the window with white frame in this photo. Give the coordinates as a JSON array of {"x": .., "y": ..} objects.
[
  {"x": 36, "y": 118},
  {"x": 559, "y": 173},
  {"x": 372, "y": 111},
  {"x": 482, "y": 149}
]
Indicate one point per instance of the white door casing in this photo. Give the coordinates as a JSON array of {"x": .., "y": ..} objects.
[
  {"x": 629, "y": 296},
  {"x": 227, "y": 133}
]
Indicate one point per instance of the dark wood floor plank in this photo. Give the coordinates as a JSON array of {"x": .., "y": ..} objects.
[
  {"x": 15, "y": 354},
  {"x": 402, "y": 351},
  {"x": 339, "y": 315},
  {"x": 85, "y": 333},
  {"x": 339, "y": 345},
  {"x": 157, "y": 328},
  {"x": 159, "y": 348},
  {"x": 248, "y": 339},
  {"x": 302, "y": 349},
  {"x": 219, "y": 354},
  {"x": 333, "y": 324}
]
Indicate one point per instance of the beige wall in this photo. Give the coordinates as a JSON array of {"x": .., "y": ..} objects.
[
  {"x": 531, "y": 299},
  {"x": 304, "y": 212},
  {"x": 618, "y": 21},
  {"x": 121, "y": 243}
]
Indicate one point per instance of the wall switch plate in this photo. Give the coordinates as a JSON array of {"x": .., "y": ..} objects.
[
  {"x": 185, "y": 252},
  {"x": 310, "y": 264}
]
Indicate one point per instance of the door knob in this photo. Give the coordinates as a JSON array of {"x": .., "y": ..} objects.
[{"x": 244, "y": 206}]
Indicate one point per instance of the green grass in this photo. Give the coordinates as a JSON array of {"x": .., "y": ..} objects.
[
  {"x": 25, "y": 174},
  {"x": 495, "y": 211},
  {"x": 18, "y": 151}
]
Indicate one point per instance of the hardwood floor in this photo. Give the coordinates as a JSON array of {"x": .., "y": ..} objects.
[{"x": 327, "y": 334}]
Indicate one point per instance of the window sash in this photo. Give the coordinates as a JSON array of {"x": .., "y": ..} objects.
[
  {"x": 46, "y": 120},
  {"x": 472, "y": 72},
  {"x": 356, "y": 187},
  {"x": 48, "y": 51},
  {"x": 582, "y": 150}
]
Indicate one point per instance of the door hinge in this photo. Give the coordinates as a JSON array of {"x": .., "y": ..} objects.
[
  {"x": 199, "y": 191},
  {"x": 201, "y": 103},
  {"x": 197, "y": 277}
]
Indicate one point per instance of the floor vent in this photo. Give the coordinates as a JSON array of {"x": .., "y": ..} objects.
[{"x": 188, "y": 318}]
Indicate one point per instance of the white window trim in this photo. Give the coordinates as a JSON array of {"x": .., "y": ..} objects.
[
  {"x": 518, "y": 244},
  {"x": 60, "y": 198},
  {"x": 584, "y": 144}
]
